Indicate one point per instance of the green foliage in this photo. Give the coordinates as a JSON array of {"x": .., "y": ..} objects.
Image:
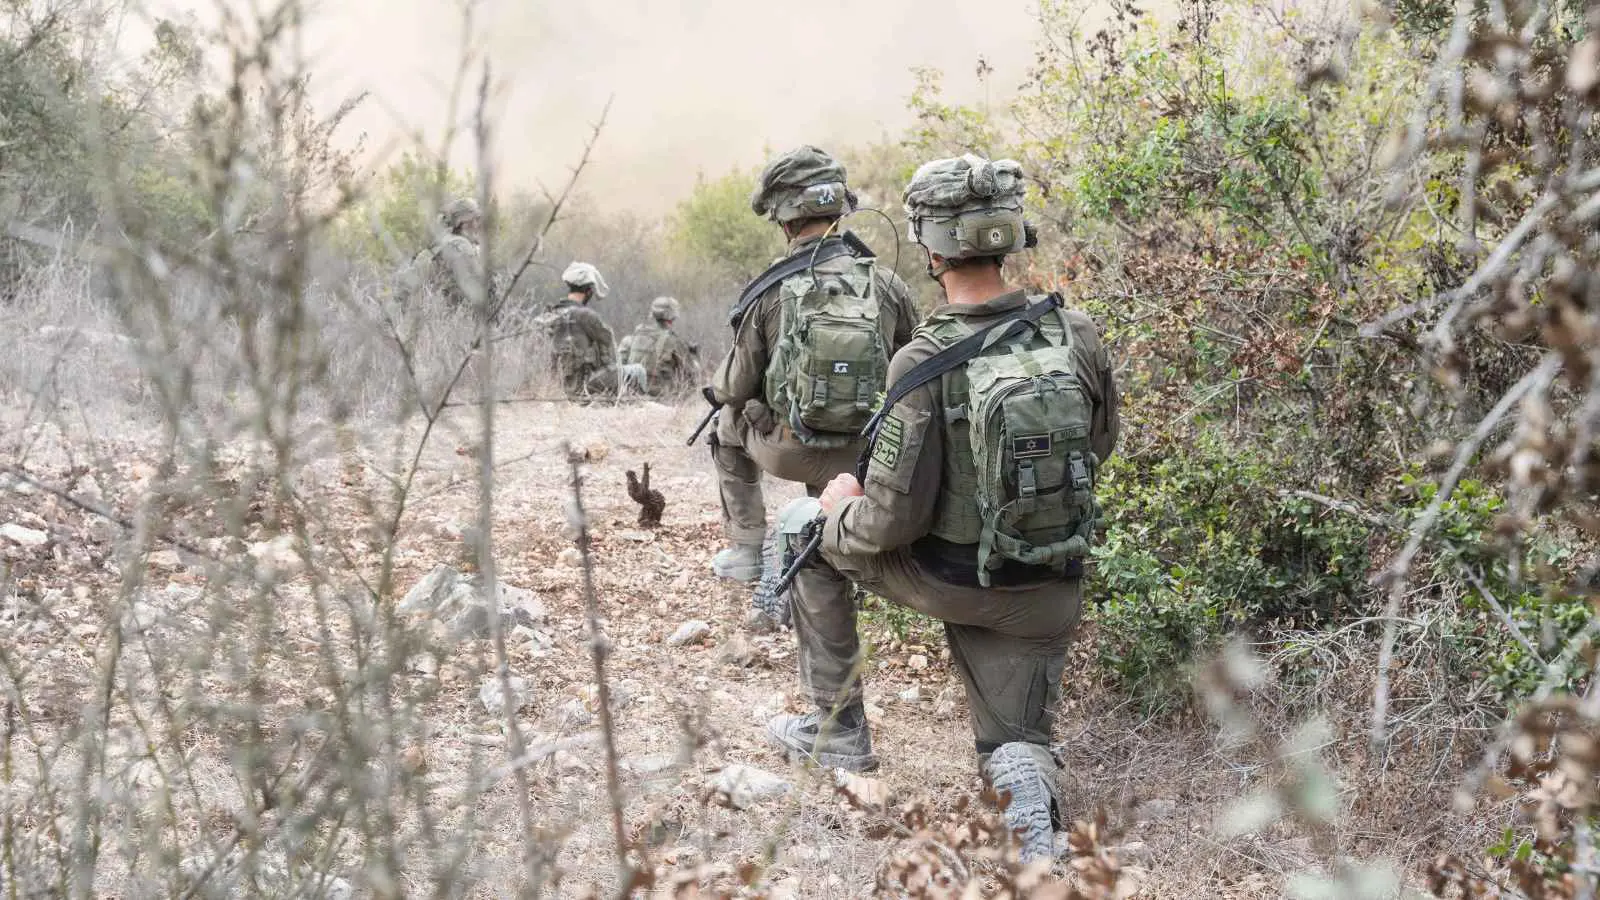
[
  {"x": 394, "y": 216},
  {"x": 715, "y": 225},
  {"x": 1202, "y": 543}
]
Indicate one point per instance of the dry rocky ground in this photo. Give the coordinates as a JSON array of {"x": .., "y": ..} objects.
[{"x": 691, "y": 689}]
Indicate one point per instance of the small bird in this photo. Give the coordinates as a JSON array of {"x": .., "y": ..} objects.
[{"x": 651, "y": 502}]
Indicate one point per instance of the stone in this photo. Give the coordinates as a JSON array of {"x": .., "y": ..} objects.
[
  {"x": 1156, "y": 810},
  {"x": 277, "y": 558},
  {"x": 744, "y": 786},
  {"x": 492, "y": 694},
  {"x": 912, "y": 694},
  {"x": 460, "y": 606},
  {"x": 167, "y": 560},
  {"x": 917, "y": 662},
  {"x": 570, "y": 557},
  {"x": 689, "y": 632},
  {"x": 23, "y": 536}
]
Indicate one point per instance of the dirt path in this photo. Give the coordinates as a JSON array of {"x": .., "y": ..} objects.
[{"x": 684, "y": 713}]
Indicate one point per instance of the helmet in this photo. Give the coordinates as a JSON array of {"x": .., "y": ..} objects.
[
  {"x": 968, "y": 207},
  {"x": 804, "y": 183},
  {"x": 582, "y": 276},
  {"x": 460, "y": 211},
  {"x": 664, "y": 309}
]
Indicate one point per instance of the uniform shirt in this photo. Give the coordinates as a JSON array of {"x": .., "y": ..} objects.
[
  {"x": 672, "y": 363},
  {"x": 897, "y": 509},
  {"x": 447, "y": 265},
  {"x": 742, "y": 375},
  {"x": 602, "y": 343}
]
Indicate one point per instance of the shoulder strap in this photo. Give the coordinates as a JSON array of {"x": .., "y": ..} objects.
[
  {"x": 832, "y": 248},
  {"x": 957, "y": 354}
]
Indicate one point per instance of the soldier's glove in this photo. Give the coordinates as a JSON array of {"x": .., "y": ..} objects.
[{"x": 760, "y": 417}]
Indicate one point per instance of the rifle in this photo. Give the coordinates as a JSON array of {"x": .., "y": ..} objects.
[
  {"x": 711, "y": 398},
  {"x": 813, "y": 531}
]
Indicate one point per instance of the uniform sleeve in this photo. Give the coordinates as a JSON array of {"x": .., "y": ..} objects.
[
  {"x": 898, "y": 503},
  {"x": 904, "y": 307},
  {"x": 740, "y": 376},
  {"x": 1101, "y": 381},
  {"x": 600, "y": 335}
]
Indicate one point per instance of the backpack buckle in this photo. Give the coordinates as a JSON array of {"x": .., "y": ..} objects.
[
  {"x": 1080, "y": 471},
  {"x": 1027, "y": 481}
]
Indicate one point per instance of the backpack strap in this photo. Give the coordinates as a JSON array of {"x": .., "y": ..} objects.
[
  {"x": 805, "y": 258},
  {"x": 946, "y": 360}
]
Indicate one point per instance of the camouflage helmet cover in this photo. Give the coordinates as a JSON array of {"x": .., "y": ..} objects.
[
  {"x": 583, "y": 276},
  {"x": 460, "y": 211},
  {"x": 804, "y": 183},
  {"x": 664, "y": 309},
  {"x": 968, "y": 206}
]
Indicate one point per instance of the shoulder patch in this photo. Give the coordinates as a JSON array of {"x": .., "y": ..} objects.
[{"x": 890, "y": 443}]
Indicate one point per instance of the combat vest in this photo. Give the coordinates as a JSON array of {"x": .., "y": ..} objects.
[
  {"x": 649, "y": 341},
  {"x": 831, "y": 358},
  {"x": 1018, "y": 470},
  {"x": 570, "y": 344}
]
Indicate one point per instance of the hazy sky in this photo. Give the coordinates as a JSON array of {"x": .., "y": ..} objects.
[{"x": 699, "y": 85}]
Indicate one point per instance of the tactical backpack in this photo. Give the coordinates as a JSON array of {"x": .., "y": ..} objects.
[
  {"x": 1019, "y": 472},
  {"x": 644, "y": 348},
  {"x": 831, "y": 359},
  {"x": 569, "y": 343}
]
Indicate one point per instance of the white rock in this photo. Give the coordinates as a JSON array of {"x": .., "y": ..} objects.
[
  {"x": 744, "y": 786},
  {"x": 460, "y": 606},
  {"x": 277, "y": 558},
  {"x": 1156, "y": 810},
  {"x": 917, "y": 662},
  {"x": 493, "y": 696},
  {"x": 689, "y": 632},
  {"x": 22, "y": 535},
  {"x": 574, "y": 714},
  {"x": 570, "y": 557},
  {"x": 912, "y": 694},
  {"x": 166, "y": 559}
]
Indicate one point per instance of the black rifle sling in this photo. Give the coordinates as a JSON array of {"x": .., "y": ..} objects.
[
  {"x": 832, "y": 248},
  {"x": 957, "y": 354}
]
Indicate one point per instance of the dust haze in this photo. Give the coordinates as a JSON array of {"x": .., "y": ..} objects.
[{"x": 700, "y": 86}]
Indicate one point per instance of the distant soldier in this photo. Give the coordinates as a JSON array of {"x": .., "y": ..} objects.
[
  {"x": 581, "y": 344},
  {"x": 977, "y": 506},
  {"x": 655, "y": 359},
  {"x": 811, "y": 346},
  {"x": 451, "y": 264}
]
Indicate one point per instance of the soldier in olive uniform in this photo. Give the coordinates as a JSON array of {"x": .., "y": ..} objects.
[
  {"x": 805, "y": 193},
  {"x": 581, "y": 344},
  {"x": 450, "y": 266},
  {"x": 977, "y": 506},
  {"x": 655, "y": 359}
]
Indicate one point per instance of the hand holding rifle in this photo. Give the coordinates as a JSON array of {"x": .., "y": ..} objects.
[{"x": 711, "y": 398}]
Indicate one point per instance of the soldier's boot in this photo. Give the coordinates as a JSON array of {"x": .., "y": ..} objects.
[
  {"x": 1021, "y": 770},
  {"x": 741, "y": 562},
  {"x": 821, "y": 738}
]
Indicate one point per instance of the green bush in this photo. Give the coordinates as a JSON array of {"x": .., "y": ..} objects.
[{"x": 1203, "y": 543}]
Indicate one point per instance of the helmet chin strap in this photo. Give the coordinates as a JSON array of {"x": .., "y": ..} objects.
[{"x": 936, "y": 270}]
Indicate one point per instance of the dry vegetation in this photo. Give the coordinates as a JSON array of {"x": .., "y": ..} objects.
[{"x": 308, "y": 592}]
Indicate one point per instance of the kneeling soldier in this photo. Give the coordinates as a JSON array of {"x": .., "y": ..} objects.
[{"x": 976, "y": 504}]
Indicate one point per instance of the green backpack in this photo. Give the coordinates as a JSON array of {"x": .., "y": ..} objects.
[
  {"x": 831, "y": 359},
  {"x": 644, "y": 349},
  {"x": 1019, "y": 473},
  {"x": 569, "y": 343}
]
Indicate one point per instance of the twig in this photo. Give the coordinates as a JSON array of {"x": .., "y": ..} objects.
[
  {"x": 1342, "y": 506},
  {"x": 598, "y": 649},
  {"x": 1399, "y": 571}
]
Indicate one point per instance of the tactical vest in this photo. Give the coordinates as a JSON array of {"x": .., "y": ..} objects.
[
  {"x": 1019, "y": 471},
  {"x": 569, "y": 342},
  {"x": 832, "y": 358},
  {"x": 646, "y": 346}
]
